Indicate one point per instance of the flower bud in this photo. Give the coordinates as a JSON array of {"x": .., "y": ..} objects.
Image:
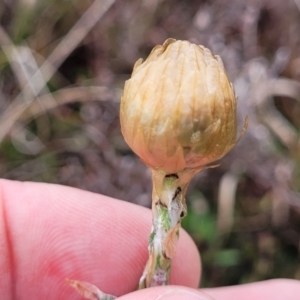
[{"x": 178, "y": 109}]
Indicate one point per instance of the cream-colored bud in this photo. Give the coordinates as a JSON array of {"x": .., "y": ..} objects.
[{"x": 178, "y": 110}]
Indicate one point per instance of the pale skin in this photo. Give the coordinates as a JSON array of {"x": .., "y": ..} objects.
[{"x": 50, "y": 232}]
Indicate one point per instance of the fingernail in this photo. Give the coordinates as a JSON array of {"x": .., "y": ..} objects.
[{"x": 183, "y": 294}]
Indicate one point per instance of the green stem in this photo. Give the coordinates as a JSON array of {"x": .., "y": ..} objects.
[{"x": 168, "y": 207}]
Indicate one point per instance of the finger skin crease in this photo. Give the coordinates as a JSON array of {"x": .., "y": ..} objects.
[{"x": 7, "y": 260}]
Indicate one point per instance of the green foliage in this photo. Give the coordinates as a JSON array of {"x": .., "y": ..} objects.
[
  {"x": 202, "y": 227},
  {"x": 227, "y": 258}
]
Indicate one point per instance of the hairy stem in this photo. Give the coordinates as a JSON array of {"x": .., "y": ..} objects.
[{"x": 168, "y": 207}]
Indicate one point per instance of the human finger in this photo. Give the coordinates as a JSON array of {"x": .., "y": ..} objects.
[
  {"x": 168, "y": 293},
  {"x": 276, "y": 289},
  {"x": 50, "y": 232}
]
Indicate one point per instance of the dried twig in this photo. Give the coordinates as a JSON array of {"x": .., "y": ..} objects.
[
  {"x": 55, "y": 59},
  {"x": 264, "y": 91},
  {"x": 68, "y": 95},
  {"x": 226, "y": 201},
  {"x": 297, "y": 2}
]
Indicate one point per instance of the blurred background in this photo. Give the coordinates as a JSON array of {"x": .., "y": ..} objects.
[{"x": 63, "y": 64}]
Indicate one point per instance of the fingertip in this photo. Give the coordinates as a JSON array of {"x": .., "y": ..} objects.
[
  {"x": 275, "y": 289},
  {"x": 85, "y": 236},
  {"x": 186, "y": 266},
  {"x": 167, "y": 293}
]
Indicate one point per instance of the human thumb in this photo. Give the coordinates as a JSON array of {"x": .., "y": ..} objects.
[{"x": 167, "y": 293}]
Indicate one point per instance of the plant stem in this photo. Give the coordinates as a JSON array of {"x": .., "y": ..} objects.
[
  {"x": 89, "y": 291},
  {"x": 168, "y": 208}
]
